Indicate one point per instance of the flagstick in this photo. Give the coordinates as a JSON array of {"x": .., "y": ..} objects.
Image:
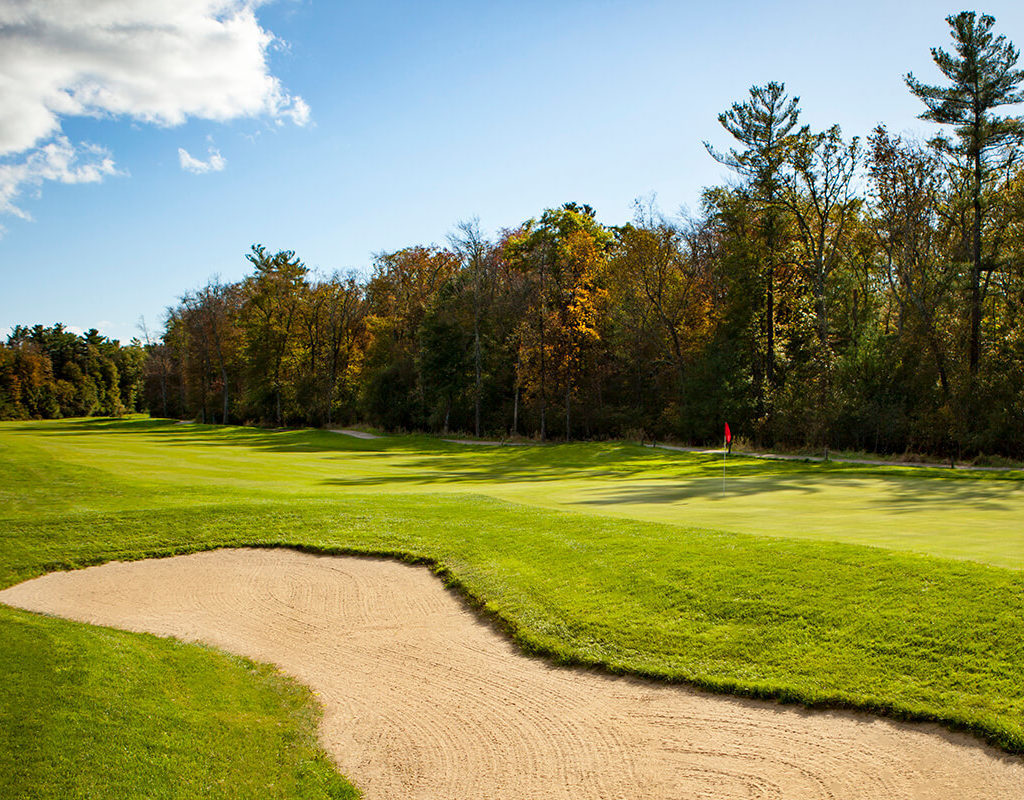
[{"x": 725, "y": 455}]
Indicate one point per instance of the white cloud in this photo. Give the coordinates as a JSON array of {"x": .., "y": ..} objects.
[
  {"x": 297, "y": 111},
  {"x": 58, "y": 160},
  {"x": 215, "y": 163},
  {"x": 154, "y": 62}
]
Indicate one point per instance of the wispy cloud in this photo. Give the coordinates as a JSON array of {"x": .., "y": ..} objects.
[
  {"x": 58, "y": 160},
  {"x": 215, "y": 162},
  {"x": 153, "y": 62}
]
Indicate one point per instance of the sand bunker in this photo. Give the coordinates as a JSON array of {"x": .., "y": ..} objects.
[
  {"x": 355, "y": 434},
  {"x": 422, "y": 700}
]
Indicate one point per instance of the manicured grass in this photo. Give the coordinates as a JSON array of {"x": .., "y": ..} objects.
[
  {"x": 93, "y": 712},
  {"x": 820, "y": 622},
  {"x": 955, "y": 514}
]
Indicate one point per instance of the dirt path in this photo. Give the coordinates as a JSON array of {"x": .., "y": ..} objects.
[{"x": 422, "y": 700}]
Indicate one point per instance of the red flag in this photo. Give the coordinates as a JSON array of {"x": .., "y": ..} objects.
[{"x": 728, "y": 434}]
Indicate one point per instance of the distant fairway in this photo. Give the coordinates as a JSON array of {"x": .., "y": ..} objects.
[
  {"x": 952, "y": 514},
  {"x": 658, "y": 576}
]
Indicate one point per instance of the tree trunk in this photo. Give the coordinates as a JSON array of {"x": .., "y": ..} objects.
[
  {"x": 515, "y": 392},
  {"x": 476, "y": 357},
  {"x": 476, "y": 344},
  {"x": 974, "y": 355},
  {"x": 224, "y": 381},
  {"x": 181, "y": 391},
  {"x": 331, "y": 384},
  {"x": 568, "y": 401},
  {"x": 515, "y": 411},
  {"x": 769, "y": 299},
  {"x": 163, "y": 386},
  {"x": 543, "y": 369},
  {"x": 820, "y": 311},
  {"x": 769, "y": 313}
]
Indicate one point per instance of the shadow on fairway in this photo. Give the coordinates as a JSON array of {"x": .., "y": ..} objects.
[
  {"x": 708, "y": 489},
  {"x": 631, "y": 475},
  {"x": 173, "y": 432},
  {"x": 408, "y": 459},
  {"x": 646, "y": 475},
  {"x": 897, "y": 494}
]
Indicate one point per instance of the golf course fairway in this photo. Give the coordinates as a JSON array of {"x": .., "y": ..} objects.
[{"x": 600, "y": 554}]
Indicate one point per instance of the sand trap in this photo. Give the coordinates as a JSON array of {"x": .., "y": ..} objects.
[
  {"x": 356, "y": 434},
  {"x": 422, "y": 700}
]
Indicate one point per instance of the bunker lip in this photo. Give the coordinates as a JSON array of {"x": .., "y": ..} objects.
[{"x": 423, "y": 699}]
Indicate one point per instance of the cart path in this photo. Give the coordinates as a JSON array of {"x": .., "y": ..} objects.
[{"x": 423, "y": 700}]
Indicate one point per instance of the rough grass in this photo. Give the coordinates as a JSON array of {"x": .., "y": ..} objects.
[
  {"x": 818, "y": 622},
  {"x": 93, "y": 712}
]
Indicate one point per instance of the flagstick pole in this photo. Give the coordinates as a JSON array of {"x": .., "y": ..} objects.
[{"x": 725, "y": 455}]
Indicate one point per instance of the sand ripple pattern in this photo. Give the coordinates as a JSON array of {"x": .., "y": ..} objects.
[{"x": 422, "y": 700}]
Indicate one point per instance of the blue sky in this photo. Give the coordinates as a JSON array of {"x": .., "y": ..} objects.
[{"x": 419, "y": 115}]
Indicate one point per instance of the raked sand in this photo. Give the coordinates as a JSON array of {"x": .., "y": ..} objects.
[{"x": 423, "y": 700}]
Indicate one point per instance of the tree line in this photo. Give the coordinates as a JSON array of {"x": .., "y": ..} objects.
[
  {"x": 837, "y": 293},
  {"x": 51, "y": 372}
]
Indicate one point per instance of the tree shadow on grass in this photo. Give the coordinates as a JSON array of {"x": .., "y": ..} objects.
[
  {"x": 626, "y": 477},
  {"x": 658, "y": 476},
  {"x": 890, "y": 493},
  {"x": 420, "y": 458},
  {"x": 173, "y": 432},
  {"x": 703, "y": 488}
]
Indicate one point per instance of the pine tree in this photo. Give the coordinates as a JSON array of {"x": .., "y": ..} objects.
[
  {"x": 981, "y": 77},
  {"x": 764, "y": 125}
]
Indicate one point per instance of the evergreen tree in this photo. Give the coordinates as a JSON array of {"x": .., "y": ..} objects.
[
  {"x": 764, "y": 125},
  {"x": 981, "y": 78}
]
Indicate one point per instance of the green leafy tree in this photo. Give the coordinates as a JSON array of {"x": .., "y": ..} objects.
[
  {"x": 445, "y": 352},
  {"x": 568, "y": 250},
  {"x": 49, "y": 372},
  {"x": 271, "y": 311},
  {"x": 660, "y": 307},
  {"x": 907, "y": 194},
  {"x": 341, "y": 313},
  {"x": 471, "y": 246},
  {"x": 819, "y": 194},
  {"x": 398, "y": 295}
]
